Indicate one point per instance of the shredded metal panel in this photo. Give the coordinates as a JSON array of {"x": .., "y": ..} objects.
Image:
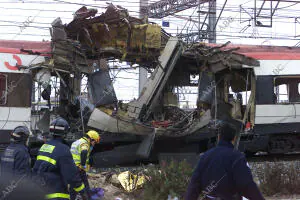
[{"x": 167, "y": 63}]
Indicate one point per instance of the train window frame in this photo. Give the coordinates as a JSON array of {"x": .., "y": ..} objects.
[
  {"x": 3, "y": 91},
  {"x": 287, "y": 89}
]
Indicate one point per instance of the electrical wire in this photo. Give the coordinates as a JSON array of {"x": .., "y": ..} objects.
[
  {"x": 228, "y": 8},
  {"x": 23, "y": 23},
  {"x": 225, "y": 9},
  {"x": 24, "y": 34},
  {"x": 81, "y": 4},
  {"x": 137, "y": 6},
  {"x": 38, "y": 27},
  {"x": 34, "y": 9},
  {"x": 26, "y": 16},
  {"x": 287, "y": 6}
]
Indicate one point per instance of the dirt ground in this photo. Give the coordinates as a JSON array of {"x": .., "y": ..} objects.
[
  {"x": 284, "y": 197},
  {"x": 112, "y": 192}
]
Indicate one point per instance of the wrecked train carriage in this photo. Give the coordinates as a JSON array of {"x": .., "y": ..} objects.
[
  {"x": 156, "y": 114},
  {"x": 30, "y": 71},
  {"x": 158, "y": 101},
  {"x": 248, "y": 81},
  {"x": 267, "y": 104}
]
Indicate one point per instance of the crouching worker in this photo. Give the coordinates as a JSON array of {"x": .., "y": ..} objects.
[
  {"x": 54, "y": 168},
  {"x": 222, "y": 172},
  {"x": 15, "y": 160},
  {"x": 81, "y": 150}
]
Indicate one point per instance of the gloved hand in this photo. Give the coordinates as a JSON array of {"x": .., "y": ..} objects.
[
  {"x": 82, "y": 168},
  {"x": 88, "y": 167}
]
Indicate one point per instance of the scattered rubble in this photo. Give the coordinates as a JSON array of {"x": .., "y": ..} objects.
[
  {"x": 111, "y": 185},
  {"x": 108, "y": 180}
]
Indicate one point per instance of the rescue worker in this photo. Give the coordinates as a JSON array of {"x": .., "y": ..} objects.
[
  {"x": 54, "y": 167},
  {"x": 81, "y": 150},
  {"x": 15, "y": 160},
  {"x": 222, "y": 172}
]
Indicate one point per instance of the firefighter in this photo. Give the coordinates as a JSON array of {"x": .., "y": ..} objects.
[
  {"x": 222, "y": 172},
  {"x": 54, "y": 168},
  {"x": 15, "y": 160},
  {"x": 81, "y": 150}
]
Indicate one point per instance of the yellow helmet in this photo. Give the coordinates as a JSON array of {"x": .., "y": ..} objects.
[{"x": 94, "y": 135}]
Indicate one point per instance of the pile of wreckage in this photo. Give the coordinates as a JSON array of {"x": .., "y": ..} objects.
[
  {"x": 83, "y": 45},
  {"x": 112, "y": 34}
]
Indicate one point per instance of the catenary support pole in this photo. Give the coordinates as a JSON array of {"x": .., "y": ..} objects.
[
  {"x": 212, "y": 36},
  {"x": 142, "y": 71}
]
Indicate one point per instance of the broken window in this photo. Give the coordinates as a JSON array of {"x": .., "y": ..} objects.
[
  {"x": 286, "y": 89},
  {"x": 281, "y": 93},
  {"x": 3, "y": 89},
  {"x": 187, "y": 97}
]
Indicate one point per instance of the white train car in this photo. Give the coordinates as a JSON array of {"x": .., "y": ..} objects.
[
  {"x": 275, "y": 115},
  {"x": 16, "y": 84}
]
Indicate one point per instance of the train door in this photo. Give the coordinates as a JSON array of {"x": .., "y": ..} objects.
[{"x": 15, "y": 90}]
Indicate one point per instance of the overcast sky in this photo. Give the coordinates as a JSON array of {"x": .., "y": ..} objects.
[
  {"x": 31, "y": 19},
  {"x": 38, "y": 14}
]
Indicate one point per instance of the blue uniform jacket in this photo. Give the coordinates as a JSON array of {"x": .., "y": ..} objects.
[
  {"x": 15, "y": 160},
  {"x": 55, "y": 169},
  {"x": 222, "y": 172}
]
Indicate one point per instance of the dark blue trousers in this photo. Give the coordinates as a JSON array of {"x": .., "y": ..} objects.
[{"x": 84, "y": 179}]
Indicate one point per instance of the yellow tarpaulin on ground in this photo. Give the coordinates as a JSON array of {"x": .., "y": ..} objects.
[{"x": 130, "y": 181}]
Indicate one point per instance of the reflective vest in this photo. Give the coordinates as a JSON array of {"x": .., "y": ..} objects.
[{"x": 77, "y": 147}]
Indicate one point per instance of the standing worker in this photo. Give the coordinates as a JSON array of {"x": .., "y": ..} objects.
[
  {"x": 222, "y": 172},
  {"x": 15, "y": 161},
  {"x": 81, "y": 150},
  {"x": 54, "y": 168}
]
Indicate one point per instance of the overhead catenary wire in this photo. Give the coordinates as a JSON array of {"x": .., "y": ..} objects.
[
  {"x": 226, "y": 9},
  {"x": 153, "y": 19},
  {"x": 231, "y": 8},
  {"x": 19, "y": 24},
  {"x": 39, "y": 27}
]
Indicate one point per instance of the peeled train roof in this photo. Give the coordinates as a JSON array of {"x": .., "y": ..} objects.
[{"x": 15, "y": 46}]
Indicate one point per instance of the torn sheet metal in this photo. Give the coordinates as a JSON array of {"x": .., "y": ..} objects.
[
  {"x": 214, "y": 59},
  {"x": 67, "y": 55},
  {"x": 101, "y": 88},
  {"x": 104, "y": 121},
  {"x": 116, "y": 33},
  {"x": 155, "y": 84},
  {"x": 206, "y": 87}
]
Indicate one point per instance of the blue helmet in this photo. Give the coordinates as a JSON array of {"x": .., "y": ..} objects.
[
  {"x": 20, "y": 134},
  {"x": 59, "y": 127}
]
